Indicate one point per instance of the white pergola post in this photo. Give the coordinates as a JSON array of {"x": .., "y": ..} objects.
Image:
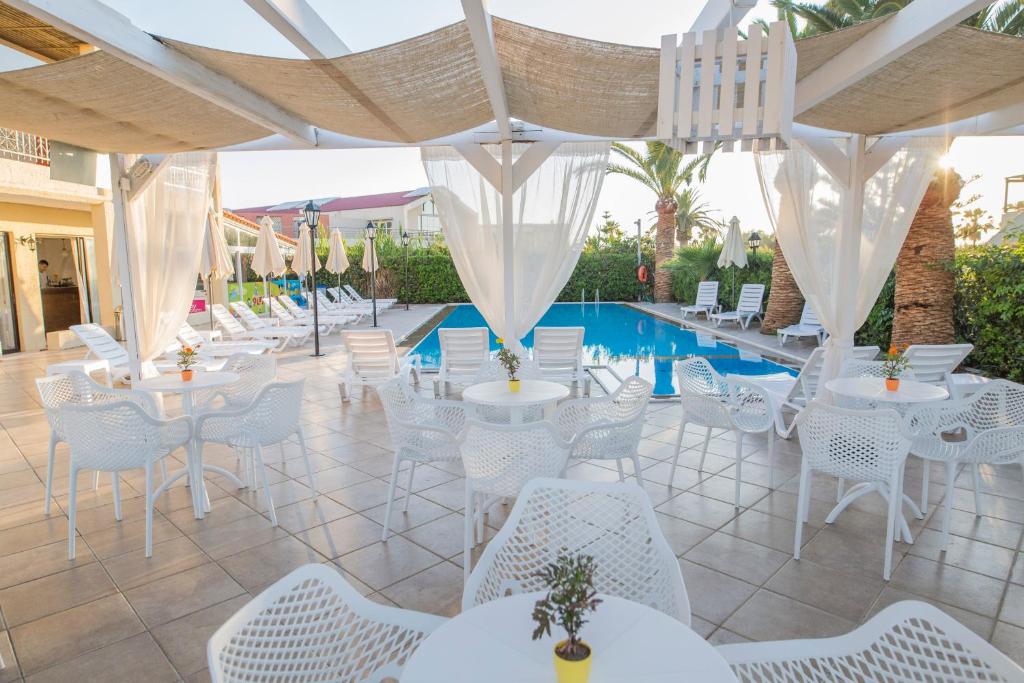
[{"x": 121, "y": 238}]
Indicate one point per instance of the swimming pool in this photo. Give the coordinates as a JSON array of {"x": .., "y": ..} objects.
[{"x": 622, "y": 338}]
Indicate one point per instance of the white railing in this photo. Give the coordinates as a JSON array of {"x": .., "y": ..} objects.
[{"x": 22, "y": 146}]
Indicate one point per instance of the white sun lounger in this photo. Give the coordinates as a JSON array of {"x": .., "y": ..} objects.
[
  {"x": 235, "y": 330},
  {"x": 302, "y": 314},
  {"x": 372, "y": 359},
  {"x": 935, "y": 363},
  {"x": 192, "y": 337},
  {"x": 359, "y": 299},
  {"x": 342, "y": 306},
  {"x": 297, "y": 335},
  {"x": 807, "y": 327},
  {"x": 748, "y": 308},
  {"x": 464, "y": 350},
  {"x": 706, "y": 302},
  {"x": 284, "y": 317}
]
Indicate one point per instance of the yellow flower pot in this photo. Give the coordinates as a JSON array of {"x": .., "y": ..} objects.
[
  {"x": 567, "y": 671},
  {"x": 513, "y": 386}
]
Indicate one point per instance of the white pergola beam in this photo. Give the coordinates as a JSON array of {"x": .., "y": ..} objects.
[
  {"x": 301, "y": 26},
  {"x": 718, "y": 14},
  {"x": 99, "y": 25},
  {"x": 480, "y": 159},
  {"x": 907, "y": 29},
  {"x": 481, "y": 31}
]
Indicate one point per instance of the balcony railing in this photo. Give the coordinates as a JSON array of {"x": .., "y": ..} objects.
[{"x": 22, "y": 146}]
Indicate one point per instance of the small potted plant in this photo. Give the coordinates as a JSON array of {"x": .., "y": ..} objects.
[
  {"x": 893, "y": 366},
  {"x": 187, "y": 357},
  {"x": 570, "y": 597},
  {"x": 511, "y": 363}
]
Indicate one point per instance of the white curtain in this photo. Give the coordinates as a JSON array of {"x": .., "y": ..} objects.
[
  {"x": 552, "y": 211},
  {"x": 840, "y": 278},
  {"x": 167, "y": 224}
]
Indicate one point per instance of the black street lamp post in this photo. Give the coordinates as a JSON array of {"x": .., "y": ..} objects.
[
  {"x": 405, "y": 245},
  {"x": 312, "y": 214},
  {"x": 371, "y": 234},
  {"x": 754, "y": 241}
]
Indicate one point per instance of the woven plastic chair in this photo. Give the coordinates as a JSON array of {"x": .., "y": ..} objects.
[
  {"x": 254, "y": 373},
  {"x": 990, "y": 424},
  {"x": 312, "y": 626},
  {"x": 272, "y": 417},
  {"x": 866, "y": 446},
  {"x": 499, "y": 460},
  {"x": 372, "y": 359},
  {"x": 907, "y": 641},
  {"x": 714, "y": 402},
  {"x": 613, "y": 522},
  {"x": 422, "y": 430},
  {"x": 115, "y": 436},
  {"x": 75, "y": 387},
  {"x": 607, "y": 428},
  {"x": 464, "y": 350}
]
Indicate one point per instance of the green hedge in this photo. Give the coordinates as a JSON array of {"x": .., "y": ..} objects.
[
  {"x": 611, "y": 275},
  {"x": 695, "y": 263}
]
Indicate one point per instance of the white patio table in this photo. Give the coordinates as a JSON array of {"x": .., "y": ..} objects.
[
  {"x": 873, "y": 389},
  {"x": 173, "y": 384},
  {"x": 631, "y": 643},
  {"x": 532, "y": 392}
]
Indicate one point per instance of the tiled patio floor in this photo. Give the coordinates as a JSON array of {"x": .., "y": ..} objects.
[{"x": 113, "y": 615}]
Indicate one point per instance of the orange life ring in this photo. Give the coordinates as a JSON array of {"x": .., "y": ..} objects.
[{"x": 641, "y": 273}]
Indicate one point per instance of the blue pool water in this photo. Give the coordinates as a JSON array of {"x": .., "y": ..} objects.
[{"x": 628, "y": 341}]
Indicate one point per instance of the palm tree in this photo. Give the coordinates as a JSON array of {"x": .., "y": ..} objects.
[
  {"x": 1005, "y": 16},
  {"x": 692, "y": 213},
  {"x": 661, "y": 169}
]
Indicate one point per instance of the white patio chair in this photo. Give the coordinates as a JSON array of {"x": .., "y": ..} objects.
[
  {"x": 991, "y": 424},
  {"x": 906, "y": 641},
  {"x": 422, "y": 430},
  {"x": 234, "y": 330},
  {"x": 935, "y": 363},
  {"x": 295, "y": 335},
  {"x": 56, "y": 391},
  {"x": 359, "y": 299},
  {"x": 809, "y": 326},
  {"x": 499, "y": 460},
  {"x": 372, "y": 359},
  {"x": 748, "y": 307},
  {"x": 867, "y": 446},
  {"x": 311, "y": 625},
  {"x": 190, "y": 336},
  {"x": 254, "y": 373},
  {"x": 285, "y": 317},
  {"x": 116, "y": 436},
  {"x": 302, "y": 314},
  {"x": 612, "y": 522},
  {"x": 607, "y": 428},
  {"x": 269, "y": 419},
  {"x": 558, "y": 351},
  {"x": 713, "y": 402},
  {"x": 706, "y": 301},
  {"x": 464, "y": 350}
]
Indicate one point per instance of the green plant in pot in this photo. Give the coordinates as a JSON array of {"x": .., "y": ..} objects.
[
  {"x": 511, "y": 363},
  {"x": 571, "y": 596},
  {"x": 893, "y": 366}
]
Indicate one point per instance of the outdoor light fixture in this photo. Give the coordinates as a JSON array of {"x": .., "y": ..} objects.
[
  {"x": 754, "y": 241},
  {"x": 312, "y": 214},
  {"x": 28, "y": 241},
  {"x": 405, "y": 245},
  {"x": 371, "y": 234}
]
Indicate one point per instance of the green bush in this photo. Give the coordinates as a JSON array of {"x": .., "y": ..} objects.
[
  {"x": 877, "y": 329},
  {"x": 692, "y": 264},
  {"x": 609, "y": 274}
]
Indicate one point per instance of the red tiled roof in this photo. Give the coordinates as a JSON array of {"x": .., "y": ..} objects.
[
  {"x": 231, "y": 215},
  {"x": 372, "y": 201}
]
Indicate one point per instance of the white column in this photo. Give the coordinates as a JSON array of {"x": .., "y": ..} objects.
[
  {"x": 122, "y": 235},
  {"x": 508, "y": 243}
]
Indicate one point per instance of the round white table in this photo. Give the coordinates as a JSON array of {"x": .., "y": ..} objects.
[
  {"x": 631, "y": 642},
  {"x": 873, "y": 389},
  {"x": 173, "y": 384},
  {"x": 532, "y": 392}
]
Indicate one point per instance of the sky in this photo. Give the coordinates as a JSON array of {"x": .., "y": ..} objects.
[{"x": 259, "y": 178}]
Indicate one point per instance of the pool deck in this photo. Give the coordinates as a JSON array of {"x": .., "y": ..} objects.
[{"x": 795, "y": 352}]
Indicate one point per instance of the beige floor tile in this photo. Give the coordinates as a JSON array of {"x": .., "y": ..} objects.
[
  {"x": 234, "y": 537},
  {"x": 54, "y": 593},
  {"x": 256, "y": 568},
  {"x": 33, "y": 535},
  {"x": 129, "y": 535},
  {"x": 713, "y": 595},
  {"x": 737, "y": 557},
  {"x": 342, "y": 535},
  {"x": 437, "y": 590},
  {"x": 184, "y": 640},
  {"x": 976, "y": 622},
  {"x": 382, "y": 564},
  {"x": 309, "y": 513},
  {"x": 135, "y": 569},
  {"x": 183, "y": 593},
  {"x": 222, "y": 511},
  {"x": 128, "y": 661},
  {"x": 699, "y": 510},
  {"x": 11, "y": 672},
  {"x": 770, "y": 616},
  {"x": 362, "y": 496},
  {"x": 774, "y": 532},
  {"x": 850, "y": 552},
  {"x": 964, "y": 553},
  {"x": 846, "y": 595},
  {"x": 65, "y": 635},
  {"x": 1009, "y": 640},
  {"x": 1013, "y": 606},
  {"x": 420, "y": 512},
  {"x": 953, "y": 586},
  {"x": 41, "y": 561}
]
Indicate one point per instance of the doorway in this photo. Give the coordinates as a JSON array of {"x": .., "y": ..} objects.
[{"x": 67, "y": 272}]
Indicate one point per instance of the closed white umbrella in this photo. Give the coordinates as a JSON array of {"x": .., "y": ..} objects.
[
  {"x": 267, "y": 259},
  {"x": 337, "y": 259},
  {"x": 216, "y": 261},
  {"x": 305, "y": 263},
  {"x": 734, "y": 252},
  {"x": 368, "y": 249}
]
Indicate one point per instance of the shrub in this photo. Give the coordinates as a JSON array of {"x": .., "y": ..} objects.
[{"x": 692, "y": 264}]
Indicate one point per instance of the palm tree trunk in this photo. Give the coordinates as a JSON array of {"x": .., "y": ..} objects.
[
  {"x": 785, "y": 301},
  {"x": 924, "y": 284},
  {"x": 664, "y": 248}
]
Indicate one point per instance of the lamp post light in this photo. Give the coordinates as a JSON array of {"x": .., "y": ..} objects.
[
  {"x": 312, "y": 215},
  {"x": 754, "y": 241},
  {"x": 405, "y": 245},
  {"x": 371, "y": 234}
]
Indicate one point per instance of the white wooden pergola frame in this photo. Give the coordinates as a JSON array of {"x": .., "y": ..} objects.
[{"x": 850, "y": 158}]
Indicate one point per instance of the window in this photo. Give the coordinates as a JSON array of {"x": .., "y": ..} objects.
[{"x": 429, "y": 220}]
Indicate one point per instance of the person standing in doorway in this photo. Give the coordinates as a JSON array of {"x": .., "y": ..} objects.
[{"x": 44, "y": 265}]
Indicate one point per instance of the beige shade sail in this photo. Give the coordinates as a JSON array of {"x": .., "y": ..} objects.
[
  {"x": 27, "y": 34},
  {"x": 99, "y": 102}
]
